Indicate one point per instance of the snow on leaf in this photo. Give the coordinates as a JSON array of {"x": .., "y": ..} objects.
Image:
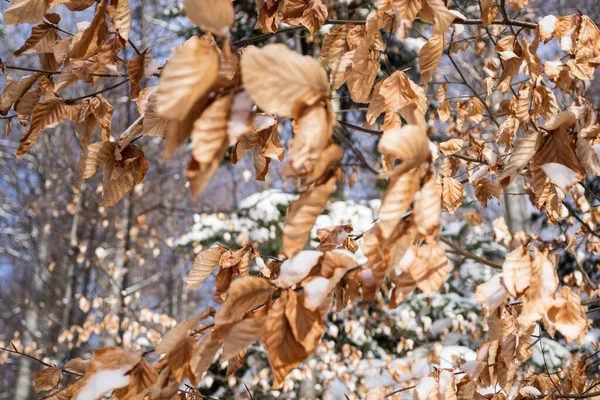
[{"x": 293, "y": 270}]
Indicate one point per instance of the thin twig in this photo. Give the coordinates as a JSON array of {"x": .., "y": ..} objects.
[
  {"x": 356, "y": 152},
  {"x": 470, "y": 255},
  {"x": 16, "y": 351},
  {"x": 359, "y": 128},
  {"x": 467, "y": 84},
  {"x": 98, "y": 92}
]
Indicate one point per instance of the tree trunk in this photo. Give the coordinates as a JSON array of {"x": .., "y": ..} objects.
[
  {"x": 515, "y": 207},
  {"x": 30, "y": 334},
  {"x": 71, "y": 261}
]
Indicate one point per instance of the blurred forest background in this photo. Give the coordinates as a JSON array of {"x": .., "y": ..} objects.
[{"x": 75, "y": 275}]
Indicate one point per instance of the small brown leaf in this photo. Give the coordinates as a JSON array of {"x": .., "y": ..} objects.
[
  {"x": 47, "y": 379},
  {"x": 245, "y": 294},
  {"x": 241, "y": 335},
  {"x": 452, "y": 194},
  {"x": 25, "y": 11},
  {"x": 187, "y": 77},
  {"x": 214, "y": 16},
  {"x": 430, "y": 56},
  {"x": 410, "y": 144},
  {"x": 396, "y": 201},
  {"x": 307, "y": 326},
  {"x": 517, "y": 271},
  {"x": 427, "y": 208},
  {"x": 204, "y": 264},
  {"x": 302, "y": 214},
  {"x": 120, "y": 15},
  {"x": 281, "y": 81},
  {"x": 48, "y": 112},
  {"x": 284, "y": 351}
]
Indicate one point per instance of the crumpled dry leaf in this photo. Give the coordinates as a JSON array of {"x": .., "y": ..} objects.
[{"x": 48, "y": 113}]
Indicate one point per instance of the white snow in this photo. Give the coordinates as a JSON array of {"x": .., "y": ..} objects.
[
  {"x": 425, "y": 387},
  {"x": 560, "y": 175},
  {"x": 294, "y": 270},
  {"x": 103, "y": 382},
  {"x": 547, "y": 25},
  {"x": 315, "y": 292},
  {"x": 239, "y": 117}
]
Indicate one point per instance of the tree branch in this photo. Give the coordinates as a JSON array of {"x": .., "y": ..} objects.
[
  {"x": 470, "y": 255},
  {"x": 116, "y": 85}
]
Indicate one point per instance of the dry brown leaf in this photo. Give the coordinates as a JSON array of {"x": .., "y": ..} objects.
[
  {"x": 210, "y": 130},
  {"x": 119, "y": 13},
  {"x": 567, "y": 316},
  {"x": 539, "y": 298},
  {"x": 376, "y": 393},
  {"x": 47, "y": 113},
  {"x": 485, "y": 189},
  {"x": 310, "y": 13},
  {"x": 435, "y": 12},
  {"x": 312, "y": 133},
  {"x": 244, "y": 295},
  {"x": 488, "y": 12},
  {"x": 307, "y": 326},
  {"x": 588, "y": 153},
  {"x": 452, "y": 146},
  {"x": 491, "y": 294},
  {"x": 77, "y": 365},
  {"x": 187, "y": 77},
  {"x": 430, "y": 269},
  {"x": 524, "y": 150},
  {"x": 302, "y": 214},
  {"x": 517, "y": 268},
  {"x": 410, "y": 144},
  {"x": 406, "y": 9},
  {"x": 405, "y": 97},
  {"x": 88, "y": 40},
  {"x": 14, "y": 90},
  {"x": 204, "y": 264},
  {"x": 430, "y": 56},
  {"x": 396, "y": 200},
  {"x": 141, "y": 378},
  {"x": 204, "y": 354},
  {"x": 281, "y": 81},
  {"x": 284, "y": 351},
  {"x": 241, "y": 335},
  {"x": 94, "y": 156},
  {"x": 135, "y": 71},
  {"x": 452, "y": 194},
  {"x": 427, "y": 208},
  {"x": 42, "y": 39},
  {"x": 214, "y": 16},
  {"x": 25, "y": 11},
  {"x": 199, "y": 174},
  {"x": 47, "y": 379},
  {"x": 404, "y": 285}
]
